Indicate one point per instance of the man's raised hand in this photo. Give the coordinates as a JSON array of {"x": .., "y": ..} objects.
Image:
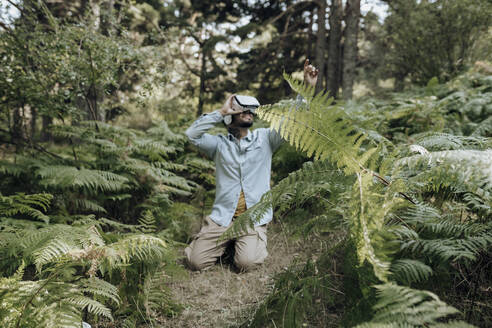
[
  {"x": 310, "y": 73},
  {"x": 227, "y": 108}
]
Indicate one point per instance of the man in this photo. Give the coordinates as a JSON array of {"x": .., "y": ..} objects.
[{"x": 243, "y": 162}]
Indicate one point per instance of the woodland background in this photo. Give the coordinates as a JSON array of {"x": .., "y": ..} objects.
[{"x": 387, "y": 167}]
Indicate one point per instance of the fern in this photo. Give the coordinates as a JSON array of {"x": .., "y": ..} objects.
[
  {"x": 61, "y": 303},
  {"x": 405, "y": 307},
  {"x": 312, "y": 179},
  {"x": 426, "y": 221},
  {"x": 147, "y": 223},
  {"x": 369, "y": 211},
  {"x": 99, "y": 287},
  {"x": 138, "y": 247},
  {"x": 444, "y": 141},
  {"x": 463, "y": 171},
  {"x": 484, "y": 128},
  {"x": 92, "y": 181},
  {"x": 325, "y": 131},
  {"x": 409, "y": 271},
  {"x": 25, "y": 204}
]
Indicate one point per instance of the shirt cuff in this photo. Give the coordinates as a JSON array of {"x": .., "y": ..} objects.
[
  {"x": 217, "y": 115},
  {"x": 213, "y": 117}
]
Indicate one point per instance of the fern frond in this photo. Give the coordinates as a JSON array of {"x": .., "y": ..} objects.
[
  {"x": 444, "y": 250},
  {"x": 156, "y": 295},
  {"x": 138, "y": 247},
  {"x": 147, "y": 222},
  {"x": 52, "y": 251},
  {"x": 111, "y": 129},
  {"x": 155, "y": 150},
  {"x": 88, "y": 205},
  {"x": 103, "y": 222},
  {"x": 484, "y": 128},
  {"x": 325, "y": 131},
  {"x": 464, "y": 171},
  {"x": 59, "y": 177},
  {"x": 24, "y": 204},
  {"x": 434, "y": 141},
  {"x": 12, "y": 169},
  {"x": 402, "y": 306},
  {"x": 409, "y": 271},
  {"x": 369, "y": 210},
  {"x": 96, "y": 286},
  {"x": 298, "y": 186},
  {"x": 48, "y": 309},
  {"x": 92, "y": 306},
  {"x": 162, "y": 132}
]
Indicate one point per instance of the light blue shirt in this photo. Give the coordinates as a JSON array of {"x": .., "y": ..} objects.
[{"x": 243, "y": 164}]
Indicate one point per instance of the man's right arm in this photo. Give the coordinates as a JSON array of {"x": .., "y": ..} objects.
[
  {"x": 204, "y": 141},
  {"x": 196, "y": 132}
]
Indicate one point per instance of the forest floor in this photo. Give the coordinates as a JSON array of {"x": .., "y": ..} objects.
[{"x": 221, "y": 297}]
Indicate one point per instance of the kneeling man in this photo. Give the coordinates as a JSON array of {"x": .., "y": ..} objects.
[{"x": 243, "y": 161}]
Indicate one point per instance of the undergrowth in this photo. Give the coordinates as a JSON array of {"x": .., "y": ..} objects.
[{"x": 407, "y": 183}]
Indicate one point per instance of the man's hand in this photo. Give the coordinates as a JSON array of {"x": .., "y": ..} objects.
[
  {"x": 227, "y": 108},
  {"x": 310, "y": 73}
]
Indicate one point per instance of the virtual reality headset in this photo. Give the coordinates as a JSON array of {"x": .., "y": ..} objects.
[
  {"x": 242, "y": 103},
  {"x": 245, "y": 103}
]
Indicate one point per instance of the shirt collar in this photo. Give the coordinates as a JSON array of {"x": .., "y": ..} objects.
[{"x": 249, "y": 136}]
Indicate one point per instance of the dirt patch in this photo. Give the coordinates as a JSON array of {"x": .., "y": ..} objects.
[{"x": 220, "y": 297}]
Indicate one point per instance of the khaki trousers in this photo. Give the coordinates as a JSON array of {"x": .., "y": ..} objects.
[{"x": 204, "y": 250}]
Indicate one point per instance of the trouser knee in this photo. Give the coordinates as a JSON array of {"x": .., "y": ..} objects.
[
  {"x": 246, "y": 263},
  {"x": 195, "y": 261}
]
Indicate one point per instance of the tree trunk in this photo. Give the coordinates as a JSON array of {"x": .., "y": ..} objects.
[
  {"x": 352, "y": 14},
  {"x": 93, "y": 99},
  {"x": 334, "y": 48},
  {"x": 45, "y": 135},
  {"x": 33, "y": 128},
  {"x": 16, "y": 131},
  {"x": 310, "y": 34},
  {"x": 106, "y": 18},
  {"x": 95, "y": 8},
  {"x": 321, "y": 44},
  {"x": 201, "y": 93}
]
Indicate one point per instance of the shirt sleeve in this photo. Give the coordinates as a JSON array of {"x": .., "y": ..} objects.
[
  {"x": 204, "y": 141},
  {"x": 274, "y": 136}
]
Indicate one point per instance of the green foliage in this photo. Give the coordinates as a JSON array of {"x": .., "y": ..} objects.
[
  {"x": 292, "y": 303},
  {"x": 57, "y": 183},
  {"x": 61, "y": 70},
  {"x": 432, "y": 39},
  {"x": 111, "y": 171},
  {"x": 51, "y": 302},
  {"x": 405, "y": 307},
  {"x": 55, "y": 292},
  {"x": 25, "y": 204},
  {"x": 322, "y": 132},
  {"x": 415, "y": 214},
  {"x": 313, "y": 181}
]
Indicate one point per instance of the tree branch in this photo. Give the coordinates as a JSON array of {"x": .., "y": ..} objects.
[
  {"x": 191, "y": 69},
  {"x": 274, "y": 19},
  {"x": 16, "y": 5},
  {"x": 5, "y": 27}
]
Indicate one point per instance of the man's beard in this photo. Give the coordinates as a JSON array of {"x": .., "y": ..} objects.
[{"x": 245, "y": 124}]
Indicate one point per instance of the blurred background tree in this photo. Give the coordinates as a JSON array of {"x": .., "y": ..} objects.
[{"x": 429, "y": 39}]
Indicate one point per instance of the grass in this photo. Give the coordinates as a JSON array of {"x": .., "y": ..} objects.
[{"x": 220, "y": 297}]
